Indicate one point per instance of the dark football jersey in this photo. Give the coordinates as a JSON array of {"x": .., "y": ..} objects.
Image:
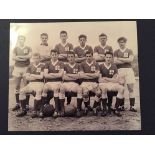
[
  {"x": 54, "y": 68},
  {"x": 89, "y": 68},
  {"x": 32, "y": 69},
  {"x": 62, "y": 49},
  {"x": 22, "y": 52},
  {"x": 123, "y": 54},
  {"x": 108, "y": 72},
  {"x": 72, "y": 70},
  {"x": 102, "y": 50},
  {"x": 81, "y": 51}
]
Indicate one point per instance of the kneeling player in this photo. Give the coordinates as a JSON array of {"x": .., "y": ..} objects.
[
  {"x": 89, "y": 73},
  {"x": 108, "y": 81},
  {"x": 53, "y": 75},
  {"x": 70, "y": 77},
  {"x": 34, "y": 75}
]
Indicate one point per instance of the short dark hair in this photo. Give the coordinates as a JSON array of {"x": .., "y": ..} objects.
[
  {"x": 103, "y": 35},
  {"x": 54, "y": 51},
  {"x": 63, "y": 32},
  {"x": 71, "y": 52},
  {"x": 121, "y": 38},
  {"x": 44, "y": 34},
  {"x": 82, "y": 36},
  {"x": 36, "y": 54},
  {"x": 89, "y": 52},
  {"x": 109, "y": 52}
]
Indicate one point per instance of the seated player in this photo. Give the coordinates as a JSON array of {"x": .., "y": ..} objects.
[
  {"x": 53, "y": 76},
  {"x": 21, "y": 56},
  {"x": 123, "y": 57},
  {"x": 89, "y": 74},
  {"x": 71, "y": 77},
  {"x": 34, "y": 75},
  {"x": 108, "y": 81},
  {"x": 64, "y": 46},
  {"x": 100, "y": 50},
  {"x": 81, "y": 50},
  {"x": 44, "y": 49}
]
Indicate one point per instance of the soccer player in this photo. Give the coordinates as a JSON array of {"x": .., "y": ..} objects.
[
  {"x": 21, "y": 56},
  {"x": 123, "y": 58},
  {"x": 71, "y": 77},
  {"x": 53, "y": 75},
  {"x": 100, "y": 50},
  {"x": 63, "y": 47},
  {"x": 44, "y": 49},
  {"x": 34, "y": 75},
  {"x": 89, "y": 73},
  {"x": 81, "y": 50},
  {"x": 108, "y": 81}
]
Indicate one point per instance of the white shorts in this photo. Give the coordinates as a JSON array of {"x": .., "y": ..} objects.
[
  {"x": 91, "y": 86},
  {"x": 71, "y": 86},
  {"x": 128, "y": 75},
  {"x": 52, "y": 85},
  {"x": 109, "y": 86},
  {"x": 19, "y": 71}
]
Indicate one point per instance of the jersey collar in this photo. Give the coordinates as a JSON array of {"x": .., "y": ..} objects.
[
  {"x": 108, "y": 67},
  {"x": 36, "y": 65},
  {"x": 123, "y": 50},
  {"x": 72, "y": 66},
  {"x": 83, "y": 47},
  {"x": 64, "y": 44},
  {"x": 103, "y": 46},
  {"x": 46, "y": 44},
  {"x": 54, "y": 63},
  {"x": 89, "y": 64}
]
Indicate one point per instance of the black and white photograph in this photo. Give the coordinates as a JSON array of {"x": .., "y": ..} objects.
[{"x": 74, "y": 76}]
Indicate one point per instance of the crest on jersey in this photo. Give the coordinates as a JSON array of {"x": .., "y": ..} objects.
[
  {"x": 126, "y": 55},
  {"x": 75, "y": 71},
  {"x": 92, "y": 68},
  {"x": 57, "y": 67},
  {"x": 38, "y": 70},
  {"x": 111, "y": 72},
  {"x": 26, "y": 51}
]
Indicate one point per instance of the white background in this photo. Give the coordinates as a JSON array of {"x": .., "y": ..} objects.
[{"x": 70, "y": 144}]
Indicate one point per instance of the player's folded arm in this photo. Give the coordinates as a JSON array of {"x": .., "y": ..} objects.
[
  {"x": 114, "y": 79},
  {"x": 39, "y": 77},
  {"x": 128, "y": 60}
]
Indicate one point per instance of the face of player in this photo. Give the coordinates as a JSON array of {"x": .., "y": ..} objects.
[
  {"x": 103, "y": 40},
  {"x": 82, "y": 41},
  {"x": 44, "y": 39},
  {"x": 21, "y": 41},
  {"x": 108, "y": 58},
  {"x": 54, "y": 56},
  {"x": 122, "y": 44},
  {"x": 71, "y": 58},
  {"x": 63, "y": 37},
  {"x": 36, "y": 59},
  {"x": 89, "y": 58}
]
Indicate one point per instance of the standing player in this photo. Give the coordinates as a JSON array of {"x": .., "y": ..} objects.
[
  {"x": 44, "y": 49},
  {"x": 34, "y": 75},
  {"x": 63, "y": 47},
  {"x": 81, "y": 50},
  {"x": 123, "y": 58},
  {"x": 53, "y": 75},
  {"x": 108, "y": 81},
  {"x": 100, "y": 50},
  {"x": 71, "y": 77},
  {"x": 21, "y": 56},
  {"x": 89, "y": 73}
]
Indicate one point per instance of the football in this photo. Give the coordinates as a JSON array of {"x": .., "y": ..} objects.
[{"x": 70, "y": 110}]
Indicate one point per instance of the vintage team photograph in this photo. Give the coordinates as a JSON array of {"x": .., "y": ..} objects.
[{"x": 74, "y": 76}]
